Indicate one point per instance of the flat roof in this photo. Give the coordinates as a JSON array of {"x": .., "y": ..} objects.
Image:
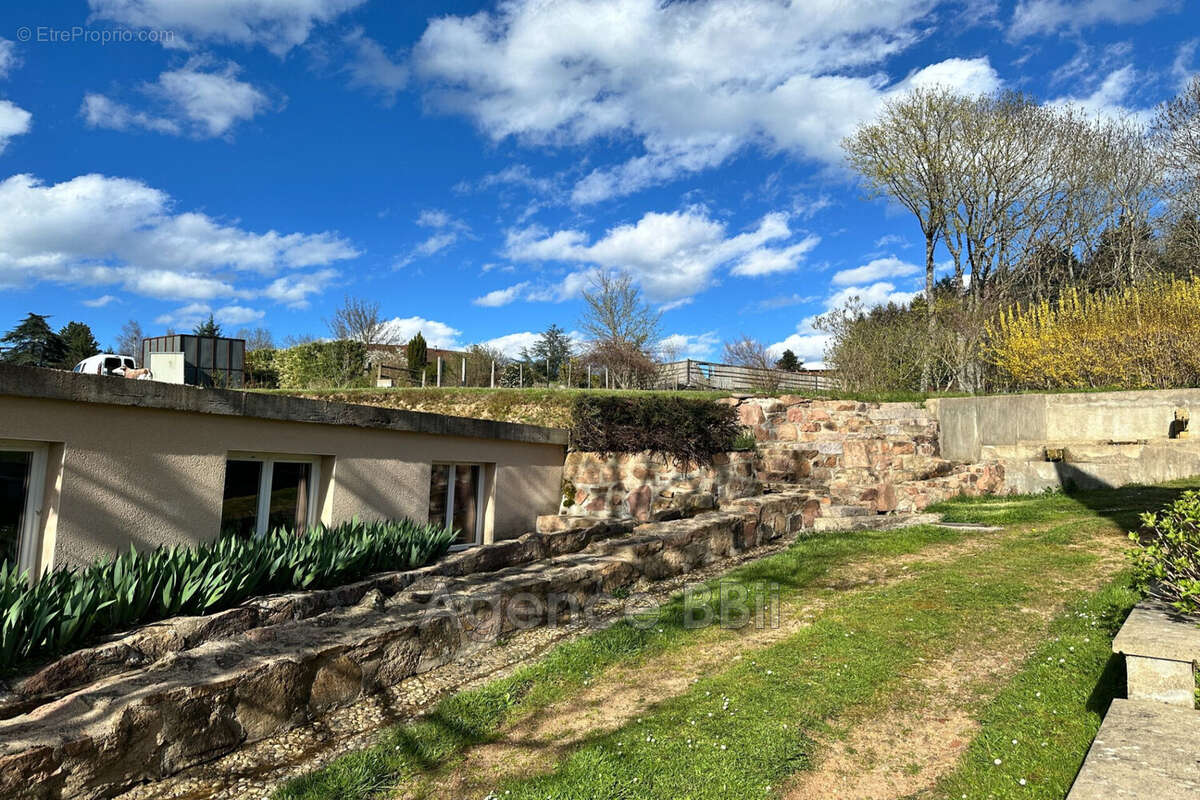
[{"x": 53, "y": 384}]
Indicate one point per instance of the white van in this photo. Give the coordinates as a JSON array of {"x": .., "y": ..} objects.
[{"x": 106, "y": 364}]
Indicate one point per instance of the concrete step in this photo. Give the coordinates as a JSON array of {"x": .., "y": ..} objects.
[{"x": 1143, "y": 751}]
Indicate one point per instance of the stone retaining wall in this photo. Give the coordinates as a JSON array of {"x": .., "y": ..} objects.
[
  {"x": 641, "y": 486},
  {"x": 199, "y": 703}
]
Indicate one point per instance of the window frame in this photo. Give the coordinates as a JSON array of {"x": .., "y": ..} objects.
[
  {"x": 265, "y": 475},
  {"x": 480, "y": 498},
  {"x": 30, "y": 536}
]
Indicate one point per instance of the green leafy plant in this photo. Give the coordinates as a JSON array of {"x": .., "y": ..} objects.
[
  {"x": 744, "y": 441},
  {"x": 1167, "y": 558},
  {"x": 64, "y": 609},
  {"x": 315, "y": 365},
  {"x": 688, "y": 430}
]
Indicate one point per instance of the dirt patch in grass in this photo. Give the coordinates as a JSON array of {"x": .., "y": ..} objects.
[
  {"x": 534, "y": 744},
  {"x": 919, "y": 738}
]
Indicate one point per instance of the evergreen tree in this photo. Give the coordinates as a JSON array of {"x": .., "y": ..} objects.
[
  {"x": 418, "y": 355},
  {"x": 208, "y": 328},
  {"x": 788, "y": 362},
  {"x": 33, "y": 344},
  {"x": 554, "y": 346},
  {"x": 78, "y": 343}
]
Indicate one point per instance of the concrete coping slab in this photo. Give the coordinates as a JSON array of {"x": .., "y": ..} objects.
[
  {"x": 1155, "y": 630},
  {"x": 52, "y": 384},
  {"x": 1143, "y": 751}
]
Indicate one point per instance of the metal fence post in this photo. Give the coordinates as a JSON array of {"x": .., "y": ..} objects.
[
  {"x": 606, "y": 377},
  {"x": 439, "y": 371},
  {"x": 464, "y": 372},
  {"x": 589, "y": 382},
  {"x": 521, "y": 376},
  {"x": 493, "y": 374}
]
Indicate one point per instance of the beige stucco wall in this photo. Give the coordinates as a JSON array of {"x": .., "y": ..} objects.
[{"x": 121, "y": 474}]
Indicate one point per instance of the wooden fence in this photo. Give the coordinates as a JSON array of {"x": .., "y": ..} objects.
[{"x": 690, "y": 374}]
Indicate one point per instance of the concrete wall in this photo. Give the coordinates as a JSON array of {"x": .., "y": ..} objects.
[
  {"x": 1109, "y": 438},
  {"x": 970, "y": 423},
  {"x": 121, "y": 472}
]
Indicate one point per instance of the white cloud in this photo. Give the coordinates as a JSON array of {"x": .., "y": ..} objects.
[
  {"x": 512, "y": 344},
  {"x": 501, "y": 297},
  {"x": 193, "y": 314},
  {"x": 294, "y": 290},
  {"x": 890, "y": 267},
  {"x": 278, "y": 25},
  {"x": 876, "y": 294},
  {"x": 700, "y": 346},
  {"x": 195, "y": 100},
  {"x": 100, "y": 302},
  {"x": 1033, "y": 17},
  {"x": 890, "y": 239},
  {"x": 671, "y": 255},
  {"x": 693, "y": 82},
  {"x": 808, "y": 345},
  {"x": 437, "y": 334},
  {"x": 14, "y": 121},
  {"x": 372, "y": 68},
  {"x": 9, "y": 60},
  {"x": 1109, "y": 98},
  {"x": 96, "y": 230}
]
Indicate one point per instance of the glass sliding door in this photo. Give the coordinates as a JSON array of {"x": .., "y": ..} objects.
[
  {"x": 465, "y": 517},
  {"x": 15, "y": 469},
  {"x": 239, "y": 504},
  {"x": 288, "y": 504},
  {"x": 456, "y": 501}
]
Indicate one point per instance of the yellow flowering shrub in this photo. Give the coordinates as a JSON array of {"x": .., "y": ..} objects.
[{"x": 1145, "y": 336}]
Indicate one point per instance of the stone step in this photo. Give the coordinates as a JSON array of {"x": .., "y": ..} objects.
[
  {"x": 1143, "y": 751},
  {"x": 876, "y": 522}
]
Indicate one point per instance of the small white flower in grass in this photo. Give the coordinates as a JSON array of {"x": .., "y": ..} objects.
[
  {"x": 722, "y": 747},
  {"x": 997, "y": 762},
  {"x": 1014, "y": 741},
  {"x": 1022, "y": 781}
]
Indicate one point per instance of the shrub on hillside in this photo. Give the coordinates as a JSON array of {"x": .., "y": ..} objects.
[
  {"x": 64, "y": 609},
  {"x": 1167, "y": 559},
  {"x": 687, "y": 430},
  {"x": 1145, "y": 336},
  {"x": 322, "y": 365}
]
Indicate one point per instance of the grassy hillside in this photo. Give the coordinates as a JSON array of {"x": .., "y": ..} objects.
[{"x": 550, "y": 407}]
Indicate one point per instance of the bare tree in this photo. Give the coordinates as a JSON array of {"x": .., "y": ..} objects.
[
  {"x": 358, "y": 320},
  {"x": 906, "y": 154},
  {"x": 129, "y": 340},
  {"x": 1176, "y": 135},
  {"x": 617, "y": 314},
  {"x": 622, "y": 328},
  {"x": 257, "y": 339},
  {"x": 746, "y": 351}
]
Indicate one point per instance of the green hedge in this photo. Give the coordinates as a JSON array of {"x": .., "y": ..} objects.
[
  {"x": 322, "y": 365},
  {"x": 64, "y": 609},
  {"x": 687, "y": 430},
  {"x": 1168, "y": 558}
]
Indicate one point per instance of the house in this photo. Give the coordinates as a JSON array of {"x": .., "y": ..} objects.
[{"x": 90, "y": 464}]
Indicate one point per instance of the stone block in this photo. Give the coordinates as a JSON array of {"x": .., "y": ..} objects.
[{"x": 1160, "y": 680}]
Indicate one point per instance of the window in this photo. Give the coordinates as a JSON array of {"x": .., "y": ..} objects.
[
  {"x": 22, "y": 477},
  {"x": 263, "y": 493},
  {"x": 456, "y": 501}
]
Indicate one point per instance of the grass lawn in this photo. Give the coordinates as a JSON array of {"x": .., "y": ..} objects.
[{"x": 907, "y": 663}]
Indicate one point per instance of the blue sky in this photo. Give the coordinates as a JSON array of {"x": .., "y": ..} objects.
[{"x": 469, "y": 166}]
